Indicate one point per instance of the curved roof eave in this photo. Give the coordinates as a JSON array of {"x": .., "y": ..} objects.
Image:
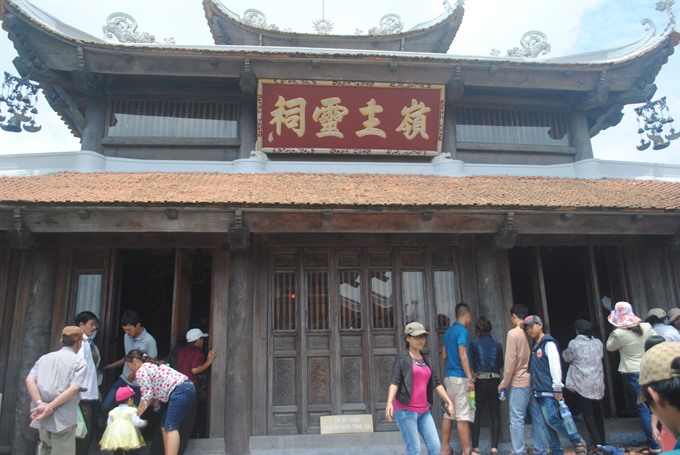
[
  {"x": 443, "y": 30},
  {"x": 649, "y": 41},
  {"x": 45, "y": 20},
  {"x": 607, "y": 57}
]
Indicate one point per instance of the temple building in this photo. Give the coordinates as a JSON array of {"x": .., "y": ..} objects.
[{"x": 304, "y": 196}]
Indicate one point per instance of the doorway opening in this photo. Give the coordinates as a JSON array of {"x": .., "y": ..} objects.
[{"x": 171, "y": 290}]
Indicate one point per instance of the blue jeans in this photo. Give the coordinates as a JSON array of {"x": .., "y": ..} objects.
[
  {"x": 631, "y": 382},
  {"x": 553, "y": 424},
  {"x": 411, "y": 423},
  {"x": 179, "y": 403},
  {"x": 109, "y": 401},
  {"x": 519, "y": 399}
]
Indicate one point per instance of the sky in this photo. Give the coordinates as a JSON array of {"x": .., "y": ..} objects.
[{"x": 572, "y": 27}]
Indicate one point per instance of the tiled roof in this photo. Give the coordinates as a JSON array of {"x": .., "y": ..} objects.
[{"x": 339, "y": 190}]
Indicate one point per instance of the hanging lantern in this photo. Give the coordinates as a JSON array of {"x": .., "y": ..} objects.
[
  {"x": 652, "y": 119},
  {"x": 19, "y": 95}
]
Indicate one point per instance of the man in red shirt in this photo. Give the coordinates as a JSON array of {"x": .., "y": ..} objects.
[{"x": 191, "y": 359}]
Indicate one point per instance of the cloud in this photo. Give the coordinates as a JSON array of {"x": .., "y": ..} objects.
[{"x": 572, "y": 26}]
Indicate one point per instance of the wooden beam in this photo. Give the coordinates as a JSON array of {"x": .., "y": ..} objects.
[{"x": 138, "y": 220}]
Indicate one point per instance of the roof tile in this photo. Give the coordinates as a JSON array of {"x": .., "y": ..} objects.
[{"x": 339, "y": 190}]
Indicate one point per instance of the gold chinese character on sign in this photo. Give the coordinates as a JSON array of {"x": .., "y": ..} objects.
[
  {"x": 329, "y": 116},
  {"x": 291, "y": 114},
  {"x": 415, "y": 120},
  {"x": 371, "y": 124}
]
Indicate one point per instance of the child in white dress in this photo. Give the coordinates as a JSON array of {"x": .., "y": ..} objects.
[{"x": 122, "y": 427}]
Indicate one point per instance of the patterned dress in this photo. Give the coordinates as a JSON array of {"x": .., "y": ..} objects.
[{"x": 121, "y": 431}]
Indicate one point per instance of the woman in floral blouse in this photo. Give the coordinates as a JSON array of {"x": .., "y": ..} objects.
[
  {"x": 585, "y": 377},
  {"x": 160, "y": 383}
]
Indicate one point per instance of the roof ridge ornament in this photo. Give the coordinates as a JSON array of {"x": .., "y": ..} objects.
[
  {"x": 123, "y": 27},
  {"x": 323, "y": 26},
  {"x": 257, "y": 18},
  {"x": 533, "y": 44},
  {"x": 667, "y": 5},
  {"x": 389, "y": 24}
]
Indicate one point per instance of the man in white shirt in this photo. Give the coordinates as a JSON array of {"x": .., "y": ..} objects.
[
  {"x": 89, "y": 399},
  {"x": 53, "y": 385}
]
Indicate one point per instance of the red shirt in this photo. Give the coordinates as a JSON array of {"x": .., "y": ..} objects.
[{"x": 189, "y": 357}]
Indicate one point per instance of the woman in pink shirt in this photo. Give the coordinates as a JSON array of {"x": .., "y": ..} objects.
[
  {"x": 409, "y": 397},
  {"x": 160, "y": 383}
]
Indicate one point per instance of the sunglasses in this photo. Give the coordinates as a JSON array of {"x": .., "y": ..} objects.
[{"x": 419, "y": 337}]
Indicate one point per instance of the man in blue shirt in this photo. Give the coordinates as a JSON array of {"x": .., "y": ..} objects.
[{"x": 459, "y": 381}]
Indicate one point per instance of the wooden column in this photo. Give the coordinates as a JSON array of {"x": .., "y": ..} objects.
[
  {"x": 218, "y": 337},
  {"x": 239, "y": 375},
  {"x": 494, "y": 295},
  {"x": 580, "y": 137},
  {"x": 31, "y": 335},
  {"x": 95, "y": 124},
  {"x": 248, "y": 122}
]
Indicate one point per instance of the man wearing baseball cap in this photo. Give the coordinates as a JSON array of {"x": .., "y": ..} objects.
[
  {"x": 546, "y": 385},
  {"x": 660, "y": 385},
  {"x": 53, "y": 385},
  {"x": 657, "y": 318},
  {"x": 192, "y": 361},
  {"x": 674, "y": 318}
]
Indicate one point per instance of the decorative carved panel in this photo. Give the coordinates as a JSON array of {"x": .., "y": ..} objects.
[
  {"x": 384, "y": 341},
  {"x": 285, "y": 423},
  {"x": 284, "y": 343},
  {"x": 352, "y": 380},
  {"x": 284, "y": 381},
  {"x": 318, "y": 343},
  {"x": 351, "y": 342},
  {"x": 381, "y": 375},
  {"x": 319, "y": 381}
]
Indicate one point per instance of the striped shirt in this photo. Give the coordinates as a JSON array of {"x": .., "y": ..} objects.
[{"x": 54, "y": 373}]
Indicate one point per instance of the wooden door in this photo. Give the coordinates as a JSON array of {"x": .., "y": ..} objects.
[{"x": 337, "y": 318}]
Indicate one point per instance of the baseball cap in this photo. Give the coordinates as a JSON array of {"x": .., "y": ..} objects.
[
  {"x": 72, "y": 332},
  {"x": 656, "y": 364},
  {"x": 532, "y": 319},
  {"x": 673, "y": 314},
  {"x": 414, "y": 329},
  {"x": 658, "y": 312},
  {"x": 195, "y": 334}
]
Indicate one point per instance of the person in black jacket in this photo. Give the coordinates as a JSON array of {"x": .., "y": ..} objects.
[
  {"x": 486, "y": 362},
  {"x": 409, "y": 397}
]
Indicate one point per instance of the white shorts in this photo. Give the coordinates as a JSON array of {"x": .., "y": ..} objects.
[{"x": 456, "y": 388}]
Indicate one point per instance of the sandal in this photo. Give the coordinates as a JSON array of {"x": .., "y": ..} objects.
[{"x": 475, "y": 450}]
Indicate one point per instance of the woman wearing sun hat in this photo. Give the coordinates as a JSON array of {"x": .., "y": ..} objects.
[{"x": 629, "y": 339}]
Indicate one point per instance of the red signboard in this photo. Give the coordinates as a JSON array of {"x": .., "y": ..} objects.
[{"x": 300, "y": 116}]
